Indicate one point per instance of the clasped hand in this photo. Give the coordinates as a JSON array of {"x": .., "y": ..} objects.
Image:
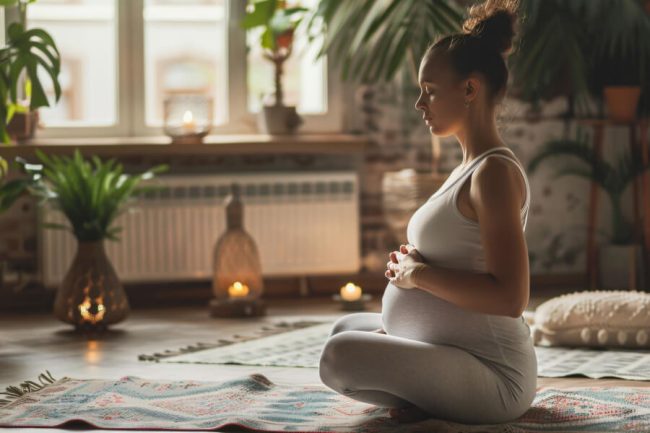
[{"x": 401, "y": 265}]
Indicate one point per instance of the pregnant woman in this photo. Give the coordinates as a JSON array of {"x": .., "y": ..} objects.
[{"x": 451, "y": 342}]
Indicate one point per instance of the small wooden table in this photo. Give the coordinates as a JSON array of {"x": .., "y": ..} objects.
[{"x": 641, "y": 225}]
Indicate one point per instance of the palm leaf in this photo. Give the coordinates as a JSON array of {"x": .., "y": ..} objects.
[
  {"x": 89, "y": 192},
  {"x": 371, "y": 40}
]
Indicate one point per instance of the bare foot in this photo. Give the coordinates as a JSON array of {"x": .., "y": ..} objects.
[{"x": 408, "y": 414}]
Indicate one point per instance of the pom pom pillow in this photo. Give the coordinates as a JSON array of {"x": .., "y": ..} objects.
[{"x": 600, "y": 318}]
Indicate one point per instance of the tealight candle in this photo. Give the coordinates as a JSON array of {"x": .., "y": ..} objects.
[
  {"x": 238, "y": 290},
  {"x": 350, "y": 292},
  {"x": 351, "y": 297},
  {"x": 189, "y": 124},
  {"x": 187, "y": 118}
]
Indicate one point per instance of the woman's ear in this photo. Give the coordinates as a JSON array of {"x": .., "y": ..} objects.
[{"x": 472, "y": 86}]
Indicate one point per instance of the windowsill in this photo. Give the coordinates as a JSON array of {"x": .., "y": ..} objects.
[{"x": 212, "y": 144}]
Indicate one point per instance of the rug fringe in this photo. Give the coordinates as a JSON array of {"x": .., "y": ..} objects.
[
  {"x": 265, "y": 331},
  {"x": 13, "y": 393}
]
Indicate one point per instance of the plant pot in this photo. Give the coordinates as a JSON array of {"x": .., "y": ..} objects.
[
  {"x": 622, "y": 102},
  {"x": 91, "y": 295},
  {"x": 621, "y": 267},
  {"x": 23, "y": 125},
  {"x": 278, "y": 119}
]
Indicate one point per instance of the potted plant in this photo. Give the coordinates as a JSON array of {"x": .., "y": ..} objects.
[
  {"x": 577, "y": 49},
  {"x": 614, "y": 256},
  {"x": 278, "y": 24},
  {"x": 27, "y": 51},
  {"x": 552, "y": 57},
  {"x": 621, "y": 56},
  {"x": 91, "y": 196}
]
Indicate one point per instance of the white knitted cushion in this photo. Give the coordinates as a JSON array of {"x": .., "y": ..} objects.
[{"x": 600, "y": 318}]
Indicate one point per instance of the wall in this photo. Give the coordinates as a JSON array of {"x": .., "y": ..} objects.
[{"x": 556, "y": 229}]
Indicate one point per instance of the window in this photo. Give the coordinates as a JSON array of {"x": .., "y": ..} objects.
[
  {"x": 185, "y": 52},
  {"x": 121, "y": 59},
  {"x": 85, "y": 33}
]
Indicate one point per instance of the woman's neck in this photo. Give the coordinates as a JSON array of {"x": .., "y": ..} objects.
[{"x": 480, "y": 137}]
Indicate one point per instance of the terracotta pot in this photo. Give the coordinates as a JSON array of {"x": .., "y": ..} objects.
[
  {"x": 23, "y": 125},
  {"x": 91, "y": 295},
  {"x": 622, "y": 102}
]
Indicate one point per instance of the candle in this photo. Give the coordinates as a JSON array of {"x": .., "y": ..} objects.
[
  {"x": 350, "y": 292},
  {"x": 92, "y": 313},
  {"x": 238, "y": 289},
  {"x": 189, "y": 124}
]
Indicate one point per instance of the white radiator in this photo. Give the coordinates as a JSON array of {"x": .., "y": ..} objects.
[{"x": 303, "y": 223}]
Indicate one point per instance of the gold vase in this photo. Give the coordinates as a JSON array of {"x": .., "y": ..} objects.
[{"x": 91, "y": 295}]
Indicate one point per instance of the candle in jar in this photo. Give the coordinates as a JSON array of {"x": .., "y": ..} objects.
[
  {"x": 350, "y": 292},
  {"x": 238, "y": 289},
  {"x": 189, "y": 124}
]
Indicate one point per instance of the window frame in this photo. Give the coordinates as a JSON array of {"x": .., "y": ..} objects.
[{"x": 130, "y": 107}]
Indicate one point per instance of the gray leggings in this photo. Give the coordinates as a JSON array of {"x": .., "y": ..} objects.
[{"x": 389, "y": 371}]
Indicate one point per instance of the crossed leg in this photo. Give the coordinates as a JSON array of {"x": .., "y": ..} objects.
[{"x": 389, "y": 371}]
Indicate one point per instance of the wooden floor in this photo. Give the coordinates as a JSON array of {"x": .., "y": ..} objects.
[{"x": 33, "y": 343}]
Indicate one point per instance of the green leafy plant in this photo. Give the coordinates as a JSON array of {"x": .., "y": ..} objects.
[
  {"x": 90, "y": 195},
  {"x": 575, "y": 48},
  {"x": 372, "y": 40},
  {"x": 278, "y": 25},
  {"x": 10, "y": 190},
  {"x": 26, "y": 52},
  {"x": 277, "y": 21},
  {"x": 612, "y": 178}
]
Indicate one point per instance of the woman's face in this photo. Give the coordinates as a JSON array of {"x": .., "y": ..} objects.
[{"x": 442, "y": 99}]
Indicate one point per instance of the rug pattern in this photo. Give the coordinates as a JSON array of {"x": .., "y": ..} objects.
[
  {"x": 255, "y": 402},
  {"x": 300, "y": 344}
]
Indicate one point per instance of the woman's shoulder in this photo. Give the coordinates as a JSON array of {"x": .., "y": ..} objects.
[{"x": 495, "y": 175}]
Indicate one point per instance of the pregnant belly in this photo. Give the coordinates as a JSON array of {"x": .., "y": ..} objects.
[{"x": 419, "y": 315}]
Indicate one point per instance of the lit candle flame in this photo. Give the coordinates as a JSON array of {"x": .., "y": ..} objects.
[
  {"x": 189, "y": 124},
  {"x": 86, "y": 307},
  {"x": 238, "y": 289},
  {"x": 350, "y": 292}
]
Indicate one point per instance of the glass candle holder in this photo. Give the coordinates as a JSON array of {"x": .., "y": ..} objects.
[{"x": 188, "y": 118}]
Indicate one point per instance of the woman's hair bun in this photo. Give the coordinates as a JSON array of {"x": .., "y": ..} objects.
[{"x": 493, "y": 22}]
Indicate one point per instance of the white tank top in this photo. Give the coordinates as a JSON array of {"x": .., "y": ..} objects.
[
  {"x": 445, "y": 237},
  {"x": 441, "y": 233}
]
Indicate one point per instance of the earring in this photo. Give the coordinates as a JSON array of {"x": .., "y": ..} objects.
[{"x": 466, "y": 104}]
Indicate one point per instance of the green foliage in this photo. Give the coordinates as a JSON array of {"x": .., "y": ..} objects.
[
  {"x": 564, "y": 48},
  {"x": 26, "y": 52},
  {"x": 372, "y": 40},
  {"x": 575, "y": 48},
  {"x": 612, "y": 178},
  {"x": 90, "y": 195},
  {"x": 11, "y": 190},
  {"x": 274, "y": 18}
]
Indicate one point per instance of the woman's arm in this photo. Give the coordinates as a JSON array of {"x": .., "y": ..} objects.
[{"x": 504, "y": 289}]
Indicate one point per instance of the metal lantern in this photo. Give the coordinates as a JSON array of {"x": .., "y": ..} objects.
[{"x": 237, "y": 282}]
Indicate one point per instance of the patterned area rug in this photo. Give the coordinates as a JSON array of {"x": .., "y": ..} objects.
[
  {"x": 255, "y": 402},
  {"x": 299, "y": 344}
]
